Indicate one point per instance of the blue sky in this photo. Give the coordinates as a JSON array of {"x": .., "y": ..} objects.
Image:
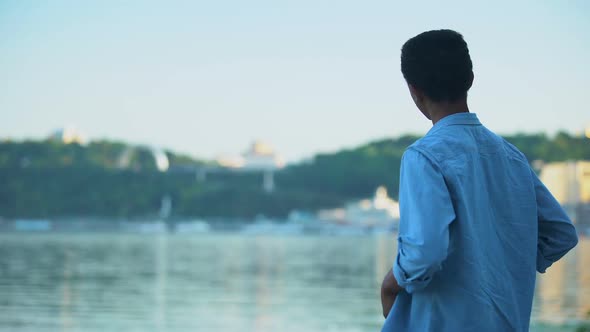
[{"x": 207, "y": 77}]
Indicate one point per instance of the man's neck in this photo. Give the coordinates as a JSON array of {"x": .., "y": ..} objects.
[{"x": 440, "y": 110}]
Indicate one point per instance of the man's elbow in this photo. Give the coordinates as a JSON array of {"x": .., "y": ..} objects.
[
  {"x": 550, "y": 250},
  {"x": 569, "y": 239}
]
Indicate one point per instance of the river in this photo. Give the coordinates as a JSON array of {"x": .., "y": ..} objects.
[{"x": 226, "y": 282}]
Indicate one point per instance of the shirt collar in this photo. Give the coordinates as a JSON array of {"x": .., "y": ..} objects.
[{"x": 456, "y": 119}]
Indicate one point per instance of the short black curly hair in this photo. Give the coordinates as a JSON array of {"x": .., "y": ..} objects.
[{"x": 437, "y": 63}]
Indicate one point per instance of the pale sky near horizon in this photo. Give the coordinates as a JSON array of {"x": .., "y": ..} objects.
[{"x": 208, "y": 77}]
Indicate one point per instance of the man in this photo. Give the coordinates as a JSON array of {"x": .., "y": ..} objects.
[{"x": 476, "y": 222}]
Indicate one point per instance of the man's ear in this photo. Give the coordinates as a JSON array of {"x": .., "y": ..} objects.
[
  {"x": 416, "y": 94},
  {"x": 419, "y": 99},
  {"x": 470, "y": 81}
]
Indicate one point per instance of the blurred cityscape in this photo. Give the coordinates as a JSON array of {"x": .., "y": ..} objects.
[{"x": 67, "y": 183}]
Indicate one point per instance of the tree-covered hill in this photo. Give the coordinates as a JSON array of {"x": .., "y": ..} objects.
[{"x": 47, "y": 179}]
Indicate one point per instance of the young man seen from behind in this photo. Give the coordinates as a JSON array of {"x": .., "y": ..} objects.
[{"x": 476, "y": 224}]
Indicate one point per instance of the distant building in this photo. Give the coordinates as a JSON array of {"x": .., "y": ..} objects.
[
  {"x": 262, "y": 156},
  {"x": 67, "y": 135},
  {"x": 568, "y": 181},
  {"x": 259, "y": 157}
]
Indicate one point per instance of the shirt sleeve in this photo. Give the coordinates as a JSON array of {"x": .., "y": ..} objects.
[
  {"x": 426, "y": 211},
  {"x": 557, "y": 235}
]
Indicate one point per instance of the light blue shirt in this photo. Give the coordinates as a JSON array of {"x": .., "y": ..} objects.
[{"x": 476, "y": 224}]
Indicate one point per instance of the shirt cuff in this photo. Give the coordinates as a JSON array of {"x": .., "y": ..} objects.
[
  {"x": 403, "y": 279},
  {"x": 542, "y": 263}
]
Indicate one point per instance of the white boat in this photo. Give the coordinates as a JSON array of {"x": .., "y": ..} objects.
[
  {"x": 271, "y": 227},
  {"x": 196, "y": 226},
  {"x": 369, "y": 216},
  {"x": 156, "y": 227}
]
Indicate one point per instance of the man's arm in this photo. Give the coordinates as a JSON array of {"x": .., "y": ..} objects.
[
  {"x": 557, "y": 235},
  {"x": 426, "y": 211}
]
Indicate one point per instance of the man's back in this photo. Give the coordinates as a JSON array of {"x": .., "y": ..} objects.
[{"x": 475, "y": 226}]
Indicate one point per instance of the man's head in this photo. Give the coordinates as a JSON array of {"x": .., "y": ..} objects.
[{"x": 438, "y": 69}]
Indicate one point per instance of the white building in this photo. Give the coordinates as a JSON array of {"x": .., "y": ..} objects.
[
  {"x": 568, "y": 181},
  {"x": 68, "y": 135},
  {"x": 259, "y": 157}
]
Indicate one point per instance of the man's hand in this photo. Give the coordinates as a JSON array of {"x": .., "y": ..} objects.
[{"x": 389, "y": 291}]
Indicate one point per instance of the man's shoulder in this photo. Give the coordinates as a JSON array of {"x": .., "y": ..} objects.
[
  {"x": 449, "y": 144},
  {"x": 424, "y": 150},
  {"x": 443, "y": 145},
  {"x": 435, "y": 146},
  {"x": 425, "y": 142}
]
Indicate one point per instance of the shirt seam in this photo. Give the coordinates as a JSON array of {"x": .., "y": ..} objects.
[{"x": 432, "y": 159}]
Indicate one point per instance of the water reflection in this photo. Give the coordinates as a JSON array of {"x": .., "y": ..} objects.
[
  {"x": 563, "y": 292},
  {"x": 66, "y": 300},
  {"x": 583, "y": 278},
  {"x": 161, "y": 267},
  {"x": 222, "y": 283},
  {"x": 384, "y": 256}
]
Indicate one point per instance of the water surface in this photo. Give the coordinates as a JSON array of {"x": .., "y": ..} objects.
[{"x": 225, "y": 282}]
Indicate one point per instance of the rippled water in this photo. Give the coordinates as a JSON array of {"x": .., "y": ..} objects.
[{"x": 53, "y": 282}]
